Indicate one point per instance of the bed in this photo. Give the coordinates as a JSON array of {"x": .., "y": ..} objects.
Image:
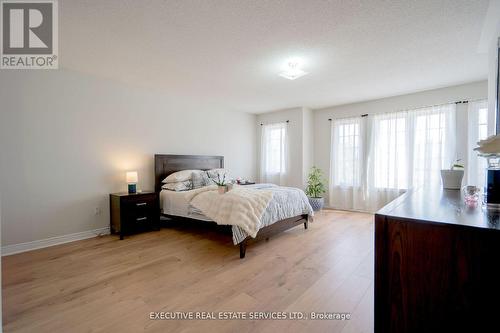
[{"x": 275, "y": 218}]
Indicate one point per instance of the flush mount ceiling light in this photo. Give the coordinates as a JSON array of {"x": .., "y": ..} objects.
[{"x": 293, "y": 71}]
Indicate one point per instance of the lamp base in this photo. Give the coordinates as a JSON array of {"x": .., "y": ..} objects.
[{"x": 132, "y": 188}]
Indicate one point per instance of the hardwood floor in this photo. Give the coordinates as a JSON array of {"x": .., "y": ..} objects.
[{"x": 107, "y": 285}]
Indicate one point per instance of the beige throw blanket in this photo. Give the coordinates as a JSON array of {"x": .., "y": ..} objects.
[{"x": 241, "y": 206}]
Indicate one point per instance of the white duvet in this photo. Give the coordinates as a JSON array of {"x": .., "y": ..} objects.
[{"x": 242, "y": 206}]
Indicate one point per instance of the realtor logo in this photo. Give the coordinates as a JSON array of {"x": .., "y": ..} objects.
[{"x": 29, "y": 34}]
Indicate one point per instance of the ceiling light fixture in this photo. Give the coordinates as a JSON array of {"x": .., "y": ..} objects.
[{"x": 293, "y": 71}]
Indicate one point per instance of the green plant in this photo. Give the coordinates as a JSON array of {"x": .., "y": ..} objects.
[
  {"x": 315, "y": 183},
  {"x": 218, "y": 181},
  {"x": 457, "y": 165}
]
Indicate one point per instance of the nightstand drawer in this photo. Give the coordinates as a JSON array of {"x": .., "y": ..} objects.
[
  {"x": 141, "y": 220},
  {"x": 140, "y": 208}
]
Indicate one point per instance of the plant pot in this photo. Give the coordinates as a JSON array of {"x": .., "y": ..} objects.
[
  {"x": 316, "y": 203},
  {"x": 222, "y": 189},
  {"x": 452, "y": 179}
]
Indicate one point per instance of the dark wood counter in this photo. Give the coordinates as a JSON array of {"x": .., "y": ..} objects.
[{"x": 437, "y": 265}]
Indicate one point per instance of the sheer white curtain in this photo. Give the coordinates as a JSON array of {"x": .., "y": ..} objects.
[
  {"x": 396, "y": 151},
  {"x": 408, "y": 149},
  {"x": 274, "y": 153},
  {"x": 434, "y": 142},
  {"x": 348, "y": 138},
  {"x": 477, "y": 116},
  {"x": 389, "y": 158}
]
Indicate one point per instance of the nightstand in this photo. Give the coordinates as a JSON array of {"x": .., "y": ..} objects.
[{"x": 133, "y": 213}]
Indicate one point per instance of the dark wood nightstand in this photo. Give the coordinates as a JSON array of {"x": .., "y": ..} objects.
[{"x": 133, "y": 213}]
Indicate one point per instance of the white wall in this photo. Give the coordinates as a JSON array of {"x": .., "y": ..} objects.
[
  {"x": 472, "y": 91},
  {"x": 66, "y": 140},
  {"x": 300, "y": 139},
  {"x": 488, "y": 43}
]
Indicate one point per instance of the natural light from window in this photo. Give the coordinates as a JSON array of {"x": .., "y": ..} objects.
[
  {"x": 348, "y": 153},
  {"x": 390, "y": 153}
]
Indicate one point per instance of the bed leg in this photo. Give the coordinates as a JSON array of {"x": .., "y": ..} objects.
[
  {"x": 306, "y": 224},
  {"x": 243, "y": 249}
]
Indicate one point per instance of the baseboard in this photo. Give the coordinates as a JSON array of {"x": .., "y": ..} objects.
[{"x": 39, "y": 244}]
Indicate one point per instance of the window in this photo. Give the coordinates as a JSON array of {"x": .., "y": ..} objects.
[
  {"x": 429, "y": 146},
  {"x": 482, "y": 123},
  {"x": 376, "y": 158},
  {"x": 390, "y": 151},
  {"x": 274, "y": 153},
  {"x": 346, "y": 137}
]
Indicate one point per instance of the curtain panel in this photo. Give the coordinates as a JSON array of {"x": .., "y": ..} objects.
[
  {"x": 376, "y": 158},
  {"x": 274, "y": 154}
]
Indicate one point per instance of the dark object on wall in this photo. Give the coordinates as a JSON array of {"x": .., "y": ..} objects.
[
  {"x": 168, "y": 164},
  {"x": 436, "y": 265}
]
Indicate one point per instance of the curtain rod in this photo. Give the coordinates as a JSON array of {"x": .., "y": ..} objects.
[
  {"x": 273, "y": 123},
  {"x": 363, "y": 115},
  {"x": 421, "y": 107}
]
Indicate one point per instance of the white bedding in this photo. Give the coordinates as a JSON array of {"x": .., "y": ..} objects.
[
  {"x": 177, "y": 204},
  {"x": 242, "y": 206},
  {"x": 286, "y": 202}
]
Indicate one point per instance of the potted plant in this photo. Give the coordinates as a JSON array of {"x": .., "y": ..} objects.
[
  {"x": 452, "y": 178},
  {"x": 315, "y": 188},
  {"x": 221, "y": 183}
]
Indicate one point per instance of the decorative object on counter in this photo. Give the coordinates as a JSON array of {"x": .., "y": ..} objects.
[
  {"x": 492, "y": 186},
  {"x": 452, "y": 179},
  {"x": 490, "y": 149},
  {"x": 315, "y": 189},
  {"x": 471, "y": 195},
  {"x": 220, "y": 182},
  {"x": 132, "y": 180}
]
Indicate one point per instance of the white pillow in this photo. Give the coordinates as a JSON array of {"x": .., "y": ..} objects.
[
  {"x": 179, "y": 176},
  {"x": 178, "y": 186},
  {"x": 213, "y": 174}
]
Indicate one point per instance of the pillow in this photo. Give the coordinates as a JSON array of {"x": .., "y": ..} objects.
[
  {"x": 179, "y": 186},
  {"x": 200, "y": 179},
  {"x": 215, "y": 174},
  {"x": 179, "y": 176}
]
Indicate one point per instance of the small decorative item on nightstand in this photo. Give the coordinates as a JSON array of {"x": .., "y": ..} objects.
[
  {"x": 132, "y": 181},
  {"x": 132, "y": 213}
]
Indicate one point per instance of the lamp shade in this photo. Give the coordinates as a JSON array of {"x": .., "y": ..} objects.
[{"x": 132, "y": 177}]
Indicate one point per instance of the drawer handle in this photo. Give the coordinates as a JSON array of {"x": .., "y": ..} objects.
[
  {"x": 141, "y": 218},
  {"x": 141, "y": 204}
]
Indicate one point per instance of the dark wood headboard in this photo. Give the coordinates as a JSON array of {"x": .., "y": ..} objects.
[{"x": 168, "y": 164}]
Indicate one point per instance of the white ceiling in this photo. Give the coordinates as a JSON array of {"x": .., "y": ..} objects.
[{"x": 227, "y": 54}]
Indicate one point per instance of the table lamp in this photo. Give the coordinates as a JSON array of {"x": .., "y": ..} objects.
[{"x": 132, "y": 181}]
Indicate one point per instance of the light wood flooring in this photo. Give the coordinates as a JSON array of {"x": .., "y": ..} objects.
[{"x": 107, "y": 285}]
